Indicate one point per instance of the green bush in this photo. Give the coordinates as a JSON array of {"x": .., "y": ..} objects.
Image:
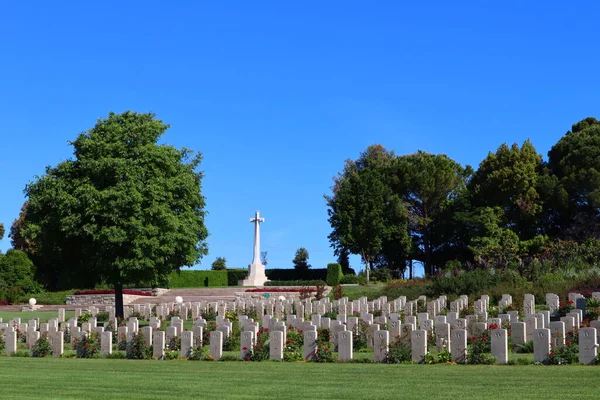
[
  {"x": 194, "y": 279},
  {"x": 47, "y": 297},
  {"x": 352, "y": 279},
  {"x": 334, "y": 274},
  {"x": 297, "y": 275},
  {"x": 294, "y": 283},
  {"x": 236, "y": 275},
  {"x": 381, "y": 274}
]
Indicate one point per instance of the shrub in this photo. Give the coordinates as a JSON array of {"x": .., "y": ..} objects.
[
  {"x": 411, "y": 288},
  {"x": 323, "y": 353},
  {"x": 296, "y": 275},
  {"x": 338, "y": 292},
  {"x": 111, "y": 291},
  {"x": 352, "y": 279},
  {"x": 88, "y": 346},
  {"x": 137, "y": 349},
  {"x": 42, "y": 347},
  {"x": 398, "y": 352},
  {"x": 381, "y": 274},
  {"x": 196, "y": 354},
  {"x": 191, "y": 279},
  {"x": 334, "y": 274},
  {"x": 567, "y": 354},
  {"x": 294, "y": 283}
]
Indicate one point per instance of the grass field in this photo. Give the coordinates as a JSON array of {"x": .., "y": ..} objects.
[
  {"x": 126, "y": 379},
  {"x": 25, "y": 316}
]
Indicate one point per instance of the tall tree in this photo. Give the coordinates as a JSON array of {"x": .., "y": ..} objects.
[
  {"x": 300, "y": 260},
  {"x": 428, "y": 184},
  {"x": 125, "y": 210},
  {"x": 575, "y": 161},
  {"x": 263, "y": 258},
  {"x": 364, "y": 213},
  {"x": 510, "y": 179},
  {"x": 1, "y": 230},
  {"x": 16, "y": 238},
  {"x": 219, "y": 264}
]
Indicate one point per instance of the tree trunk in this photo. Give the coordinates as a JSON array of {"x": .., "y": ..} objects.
[
  {"x": 119, "y": 313},
  {"x": 410, "y": 269}
]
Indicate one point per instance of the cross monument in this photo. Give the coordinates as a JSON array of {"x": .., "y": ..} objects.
[{"x": 256, "y": 271}]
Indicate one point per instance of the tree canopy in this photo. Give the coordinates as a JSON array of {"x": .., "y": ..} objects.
[
  {"x": 125, "y": 210},
  {"x": 513, "y": 207},
  {"x": 300, "y": 260},
  {"x": 219, "y": 264}
]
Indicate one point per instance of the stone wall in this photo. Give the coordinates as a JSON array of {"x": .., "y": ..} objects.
[{"x": 106, "y": 299}]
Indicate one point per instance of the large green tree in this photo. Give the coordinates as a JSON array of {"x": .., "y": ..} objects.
[
  {"x": 428, "y": 184},
  {"x": 365, "y": 215},
  {"x": 125, "y": 210},
  {"x": 575, "y": 162},
  {"x": 509, "y": 179}
]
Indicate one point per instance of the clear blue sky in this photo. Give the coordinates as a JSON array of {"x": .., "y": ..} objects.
[{"x": 278, "y": 94}]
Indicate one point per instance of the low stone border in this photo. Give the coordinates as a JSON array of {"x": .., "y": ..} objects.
[
  {"x": 274, "y": 295},
  {"x": 109, "y": 299}
]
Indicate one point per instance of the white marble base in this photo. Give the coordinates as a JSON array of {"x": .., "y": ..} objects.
[{"x": 256, "y": 277}]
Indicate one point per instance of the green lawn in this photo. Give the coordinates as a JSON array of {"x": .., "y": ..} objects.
[
  {"x": 25, "y": 316},
  {"x": 126, "y": 379}
]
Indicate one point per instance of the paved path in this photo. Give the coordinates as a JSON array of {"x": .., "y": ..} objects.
[{"x": 205, "y": 294}]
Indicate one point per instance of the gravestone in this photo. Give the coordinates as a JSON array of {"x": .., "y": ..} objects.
[
  {"x": 106, "y": 343},
  {"x": 381, "y": 345},
  {"x": 216, "y": 345},
  {"x": 247, "y": 341},
  {"x": 531, "y": 323},
  {"x": 458, "y": 338},
  {"x": 345, "y": 343},
  {"x": 147, "y": 333},
  {"x": 557, "y": 332},
  {"x": 198, "y": 332},
  {"x": 418, "y": 345},
  {"x": 310, "y": 344},
  {"x": 406, "y": 334},
  {"x": 10, "y": 341},
  {"x": 58, "y": 343},
  {"x": 541, "y": 344},
  {"x": 588, "y": 345},
  {"x": 276, "y": 345},
  {"x": 442, "y": 336},
  {"x": 499, "y": 339},
  {"x": 187, "y": 343},
  {"x": 158, "y": 345}
]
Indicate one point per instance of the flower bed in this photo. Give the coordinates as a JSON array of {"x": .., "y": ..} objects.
[{"x": 111, "y": 291}]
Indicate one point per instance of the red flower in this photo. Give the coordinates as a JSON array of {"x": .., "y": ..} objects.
[
  {"x": 288, "y": 341},
  {"x": 244, "y": 348},
  {"x": 93, "y": 349},
  {"x": 571, "y": 301},
  {"x": 568, "y": 342},
  {"x": 86, "y": 345},
  {"x": 247, "y": 359},
  {"x": 326, "y": 349}
]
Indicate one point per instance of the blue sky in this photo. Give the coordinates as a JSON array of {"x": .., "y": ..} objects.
[{"x": 276, "y": 95}]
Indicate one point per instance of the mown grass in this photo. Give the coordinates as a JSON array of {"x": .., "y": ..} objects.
[
  {"x": 25, "y": 316},
  {"x": 127, "y": 379}
]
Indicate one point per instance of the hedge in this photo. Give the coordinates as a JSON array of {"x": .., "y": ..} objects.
[
  {"x": 318, "y": 274},
  {"x": 235, "y": 275},
  {"x": 334, "y": 274},
  {"x": 294, "y": 283},
  {"x": 193, "y": 279}
]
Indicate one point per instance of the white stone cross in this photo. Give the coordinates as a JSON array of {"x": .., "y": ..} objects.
[
  {"x": 256, "y": 220},
  {"x": 256, "y": 273}
]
